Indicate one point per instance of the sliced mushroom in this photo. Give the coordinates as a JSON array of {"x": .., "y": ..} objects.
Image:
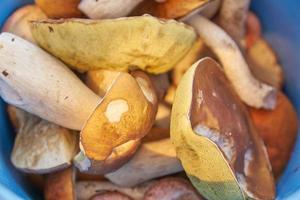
[
  {"x": 172, "y": 188},
  {"x": 107, "y": 9},
  {"x": 278, "y": 129},
  {"x": 170, "y": 9},
  {"x": 60, "y": 185},
  {"x": 232, "y": 18},
  {"x": 253, "y": 28},
  {"x": 18, "y": 22},
  {"x": 250, "y": 90},
  {"x": 152, "y": 160},
  {"x": 44, "y": 86},
  {"x": 264, "y": 64},
  {"x": 41, "y": 147},
  {"x": 151, "y": 44},
  {"x": 215, "y": 138},
  {"x": 59, "y": 8},
  {"x": 87, "y": 189}
]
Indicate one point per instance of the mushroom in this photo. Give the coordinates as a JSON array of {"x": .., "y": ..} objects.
[
  {"x": 170, "y": 94},
  {"x": 170, "y": 9},
  {"x": 60, "y": 185},
  {"x": 161, "y": 84},
  {"x": 59, "y": 8},
  {"x": 250, "y": 90},
  {"x": 111, "y": 196},
  {"x": 215, "y": 139},
  {"x": 46, "y": 87},
  {"x": 87, "y": 189},
  {"x": 199, "y": 50},
  {"x": 264, "y": 64},
  {"x": 232, "y": 18},
  {"x": 42, "y": 147},
  {"x": 278, "y": 129},
  {"x": 107, "y": 9},
  {"x": 18, "y": 22},
  {"x": 172, "y": 188},
  {"x": 253, "y": 30},
  {"x": 152, "y": 160},
  {"x": 152, "y": 44}
]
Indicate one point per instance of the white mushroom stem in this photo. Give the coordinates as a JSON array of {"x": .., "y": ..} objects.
[
  {"x": 37, "y": 82},
  {"x": 249, "y": 89},
  {"x": 107, "y": 9},
  {"x": 152, "y": 160},
  {"x": 232, "y": 17},
  {"x": 87, "y": 189}
]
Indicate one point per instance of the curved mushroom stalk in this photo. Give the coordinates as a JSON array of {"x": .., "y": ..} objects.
[
  {"x": 111, "y": 135},
  {"x": 18, "y": 22},
  {"x": 215, "y": 139},
  {"x": 60, "y": 185},
  {"x": 152, "y": 160},
  {"x": 88, "y": 189},
  {"x": 172, "y": 188},
  {"x": 43, "y": 86},
  {"x": 41, "y": 147},
  {"x": 232, "y": 18},
  {"x": 250, "y": 90},
  {"x": 107, "y": 9},
  {"x": 153, "y": 45}
]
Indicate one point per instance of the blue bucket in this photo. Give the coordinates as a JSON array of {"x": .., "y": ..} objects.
[{"x": 281, "y": 27}]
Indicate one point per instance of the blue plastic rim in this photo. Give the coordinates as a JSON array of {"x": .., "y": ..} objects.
[{"x": 281, "y": 27}]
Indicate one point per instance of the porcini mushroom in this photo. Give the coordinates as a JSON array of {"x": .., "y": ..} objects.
[
  {"x": 60, "y": 185},
  {"x": 46, "y": 87},
  {"x": 42, "y": 147},
  {"x": 152, "y": 160},
  {"x": 278, "y": 129},
  {"x": 88, "y": 189},
  {"x": 151, "y": 44},
  {"x": 59, "y": 8},
  {"x": 172, "y": 188},
  {"x": 18, "y": 22},
  {"x": 250, "y": 90},
  {"x": 215, "y": 139},
  {"x": 232, "y": 18},
  {"x": 264, "y": 64},
  {"x": 170, "y": 9},
  {"x": 107, "y": 9}
]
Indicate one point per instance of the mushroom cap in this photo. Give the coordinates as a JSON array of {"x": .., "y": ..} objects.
[
  {"x": 215, "y": 139},
  {"x": 170, "y": 9},
  {"x": 41, "y": 147},
  {"x": 60, "y": 185},
  {"x": 120, "y": 117},
  {"x": 172, "y": 188},
  {"x": 278, "y": 129},
  {"x": 152, "y": 44},
  {"x": 59, "y": 8},
  {"x": 18, "y": 22}
]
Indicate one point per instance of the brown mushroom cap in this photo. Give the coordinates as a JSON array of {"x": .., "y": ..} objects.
[
  {"x": 219, "y": 122},
  {"x": 126, "y": 113},
  {"x": 18, "y": 22},
  {"x": 172, "y": 188},
  {"x": 278, "y": 129},
  {"x": 59, "y": 8},
  {"x": 60, "y": 185}
]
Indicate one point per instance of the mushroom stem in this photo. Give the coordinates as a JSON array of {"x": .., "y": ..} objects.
[
  {"x": 232, "y": 17},
  {"x": 249, "y": 89},
  {"x": 37, "y": 82},
  {"x": 152, "y": 160}
]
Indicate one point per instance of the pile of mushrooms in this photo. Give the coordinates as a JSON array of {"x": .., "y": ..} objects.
[{"x": 145, "y": 100}]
